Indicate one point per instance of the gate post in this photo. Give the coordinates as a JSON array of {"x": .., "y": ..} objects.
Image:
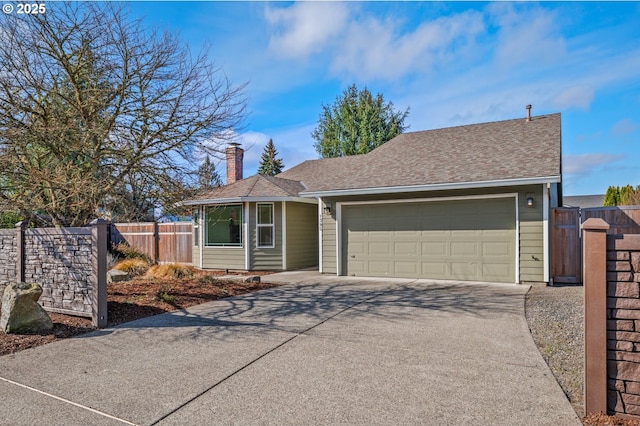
[{"x": 595, "y": 314}]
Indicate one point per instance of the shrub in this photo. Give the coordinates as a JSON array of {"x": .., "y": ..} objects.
[
  {"x": 171, "y": 270},
  {"x": 134, "y": 267},
  {"x": 163, "y": 295},
  {"x": 125, "y": 251}
]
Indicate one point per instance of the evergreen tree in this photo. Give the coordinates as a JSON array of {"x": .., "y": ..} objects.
[
  {"x": 208, "y": 177},
  {"x": 269, "y": 164},
  {"x": 357, "y": 123},
  {"x": 612, "y": 196}
]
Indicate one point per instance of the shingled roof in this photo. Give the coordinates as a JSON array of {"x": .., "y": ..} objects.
[
  {"x": 256, "y": 186},
  {"x": 497, "y": 153}
]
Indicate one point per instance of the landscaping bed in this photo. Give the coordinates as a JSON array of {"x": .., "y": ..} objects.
[{"x": 135, "y": 299}]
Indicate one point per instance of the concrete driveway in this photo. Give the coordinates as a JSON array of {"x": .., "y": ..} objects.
[{"x": 321, "y": 350}]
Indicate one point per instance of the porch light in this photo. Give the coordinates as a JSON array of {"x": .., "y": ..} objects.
[
  {"x": 327, "y": 210},
  {"x": 530, "y": 201}
]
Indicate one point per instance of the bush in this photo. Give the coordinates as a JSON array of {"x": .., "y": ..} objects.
[
  {"x": 134, "y": 267},
  {"x": 171, "y": 270},
  {"x": 163, "y": 295},
  {"x": 125, "y": 251}
]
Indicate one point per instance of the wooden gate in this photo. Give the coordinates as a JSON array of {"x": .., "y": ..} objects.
[{"x": 566, "y": 249}]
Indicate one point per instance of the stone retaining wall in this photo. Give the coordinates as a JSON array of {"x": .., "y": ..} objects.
[
  {"x": 69, "y": 264},
  {"x": 623, "y": 324}
]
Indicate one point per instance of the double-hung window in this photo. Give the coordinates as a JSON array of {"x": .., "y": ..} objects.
[
  {"x": 223, "y": 225},
  {"x": 265, "y": 229}
]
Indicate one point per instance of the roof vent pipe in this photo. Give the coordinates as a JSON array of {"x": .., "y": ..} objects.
[{"x": 528, "y": 112}]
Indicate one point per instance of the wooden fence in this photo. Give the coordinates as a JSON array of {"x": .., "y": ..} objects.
[
  {"x": 566, "y": 237},
  {"x": 162, "y": 242}
]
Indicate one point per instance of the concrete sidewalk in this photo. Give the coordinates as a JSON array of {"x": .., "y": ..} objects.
[{"x": 324, "y": 350}]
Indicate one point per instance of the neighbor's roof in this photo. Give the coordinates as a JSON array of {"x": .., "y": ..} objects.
[
  {"x": 512, "y": 150},
  {"x": 254, "y": 187},
  {"x": 583, "y": 201}
]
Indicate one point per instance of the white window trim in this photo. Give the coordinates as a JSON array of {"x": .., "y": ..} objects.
[
  {"x": 225, "y": 247},
  {"x": 272, "y": 225}
]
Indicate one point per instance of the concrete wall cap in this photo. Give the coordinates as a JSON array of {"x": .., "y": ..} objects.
[{"x": 595, "y": 223}]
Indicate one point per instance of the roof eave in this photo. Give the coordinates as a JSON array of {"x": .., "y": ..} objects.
[
  {"x": 434, "y": 187},
  {"x": 247, "y": 200}
]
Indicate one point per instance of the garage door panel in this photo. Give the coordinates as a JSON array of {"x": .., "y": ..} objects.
[
  {"x": 406, "y": 248},
  {"x": 435, "y": 248},
  {"x": 462, "y": 239},
  {"x": 437, "y": 270},
  {"x": 497, "y": 249},
  {"x": 464, "y": 248},
  {"x": 406, "y": 269},
  {"x": 380, "y": 267},
  {"x": 464, "y": 271},
  {"x": 379, "y": 248}
]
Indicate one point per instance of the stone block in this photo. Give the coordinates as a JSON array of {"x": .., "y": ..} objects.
[
  {"x": 620, "y": 325},
  {"x": 615, "y": 385},
  {"x": 628, "y": 356},
  {"x": 623, "y": 303},
  {"x": 633, "y": 410},
  {"x": 633, "y": 387},
  {"x": 635, "y": 261},
  {"x": 630, "y": 399},
  {"x": 625, "y": 314},
  {"x": 627, "y": 336},
  {"x": 623, "y": 370},
  {"x": 636, "y": 277},
  {"x": 115, "y": 275},
  {"x": 627, "y": 289},
  {"x": 618, "y": 266},
  {"x": 619, "y": 276}
]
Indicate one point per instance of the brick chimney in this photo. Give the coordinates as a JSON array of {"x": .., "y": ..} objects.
[{"x": 235, "y": 154}]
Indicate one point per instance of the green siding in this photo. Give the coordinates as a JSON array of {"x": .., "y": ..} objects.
[
  {"x": 531, "y": 235},
  {"x": 223, "y": 258},
  {"x": 329, "y": 253},
  {"x": 195, "y": 256},
  {"x": 302, "y": 235},
  {"x": 265, "y": 259}
]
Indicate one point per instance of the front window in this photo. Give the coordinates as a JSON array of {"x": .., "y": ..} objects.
[
  {"x": 223, "y": 226},
  {"x": 265, "y": 228}
]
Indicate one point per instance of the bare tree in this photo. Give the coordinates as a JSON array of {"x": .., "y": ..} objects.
[{"x": 95, "y": 107}]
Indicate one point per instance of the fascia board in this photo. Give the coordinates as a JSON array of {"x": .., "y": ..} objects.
[{"x": 434, "y": 187}]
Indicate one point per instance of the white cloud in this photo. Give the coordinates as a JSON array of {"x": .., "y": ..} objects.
[
  {"x": 624, "y": 127},
  {"x": 526, "y": 35},
  {"x": 584, "y": 164},
  {"x": 374, "y": 49},
  {"x": 576, "y": 96},
  {"x": 305, "y": 27}
]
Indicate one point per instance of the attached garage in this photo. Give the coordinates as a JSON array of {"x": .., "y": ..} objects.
[{"x": 462, "y": 239}]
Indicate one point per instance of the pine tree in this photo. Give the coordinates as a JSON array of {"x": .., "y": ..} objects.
[
  {"x": 208, "y": 177},
  {"x": 269, "y": 164},
  {"x": 612, "y": 197}
]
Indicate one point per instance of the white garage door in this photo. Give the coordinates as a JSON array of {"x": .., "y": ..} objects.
[{"x": 472, "y": 240}]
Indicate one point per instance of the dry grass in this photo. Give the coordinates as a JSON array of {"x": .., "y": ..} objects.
[
  {"x": 134, "y": 267},
  {"x": 170, "y": 271}
]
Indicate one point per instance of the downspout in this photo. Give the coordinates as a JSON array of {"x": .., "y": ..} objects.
[
  {"x": 545, "y": 231},
  {"x": 320, "y": 235}
]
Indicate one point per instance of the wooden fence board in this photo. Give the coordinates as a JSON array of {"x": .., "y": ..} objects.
[
  {"x": 566, "y": 256},
  {"x": 162, "y": 242}
]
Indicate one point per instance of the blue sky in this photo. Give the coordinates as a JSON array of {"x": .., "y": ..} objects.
[{"x": 451, "y": 63}]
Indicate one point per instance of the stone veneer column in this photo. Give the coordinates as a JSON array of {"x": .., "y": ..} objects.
[
  {"x": 594, "y": 243},
  {"x": 99, "y": 269},
  {"x": 20, "y": 228}
]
